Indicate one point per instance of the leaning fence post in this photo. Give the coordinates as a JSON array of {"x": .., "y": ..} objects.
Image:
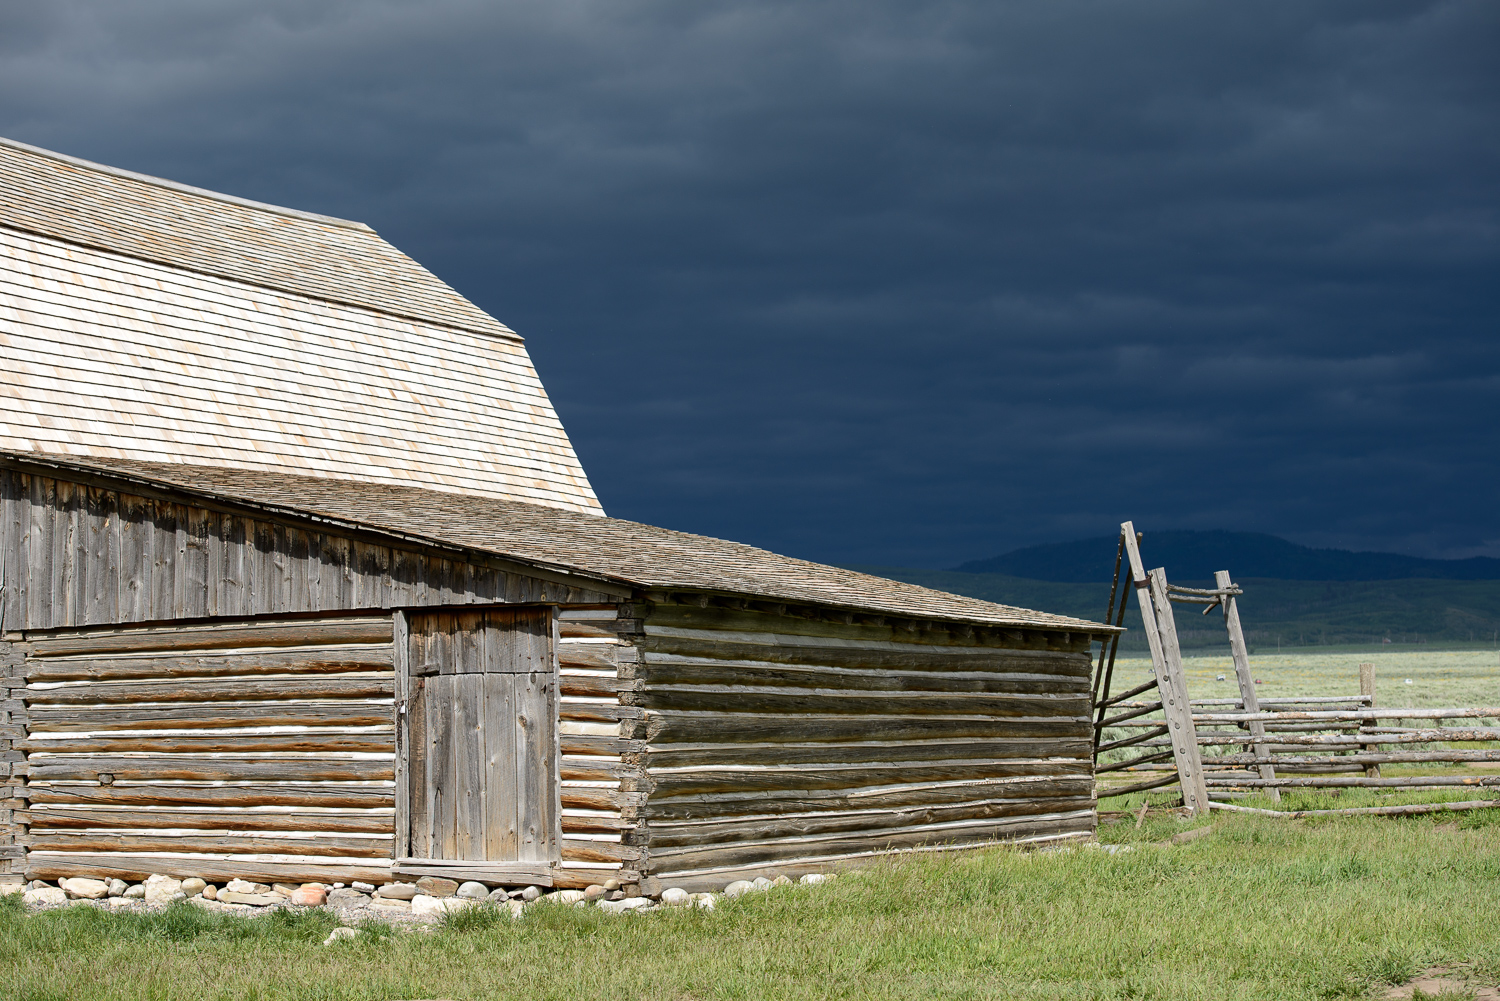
[
  {"x": 1241, "y": 655},
  {"x": 1367, "y": 689}
]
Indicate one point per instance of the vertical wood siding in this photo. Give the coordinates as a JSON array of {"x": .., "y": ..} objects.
[
  {"x": 261, "y": 749},
  {"x": 76, "y": 555},
  {"x": 772, "y": 743}
]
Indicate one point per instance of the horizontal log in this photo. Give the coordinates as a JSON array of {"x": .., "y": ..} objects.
[
  {"x": 323, "y": 795},
  {"x": 656, "y": 672},
  {"x": 909, "y": 657},
  {"x": 1335, "y": 781},
  {"x": 227, "y": 768},
  {"x": 317, "y": 660},
  {"x": 285, "y": 632},
  {"x": 573, "y": 823},
  {"x": 743, "y": 727},
  {"x": 1106, "y": 791},
  {"x": 205, "y": 690},
  {"x": 64, "y": 719},
  {"x": 743, "y": 698},
  {"x": 574, "y": 798},
  {"x": 718, "y": 780},
  {"x": 891, "y": 796},
  {"x": 682, "y": 755},
  {"x": 609, "y": 712},
  {"x": 576, "y": 850},
  {"x": 1348, "y": 715},
  {"x": 592, "y": 686},
  {"x": 240, "y": 819},
  {"x": 591, "y": 744},
  {"x": 716, "y": 831},
  {"x": 1436, "y": 735},
  {"x": 876, "y": 840},
  {"x": 379, "y": 742},
  {"x": 504, "y": 873},
  {"x": 216, "y": 868},
  {"x": 1379, "y": 811},
  {"x": 1372, "y": 758},
  {"x": 594, "y": 656},
  {"x": 225, "y": 841},
  {"x": 584, "y": 768}
]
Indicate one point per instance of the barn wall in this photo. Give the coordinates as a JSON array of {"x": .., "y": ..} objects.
[
  {"x": 249, "y": 748},
  {"x": 75, "y": 555},
  {"x": 773, "y": 743}
]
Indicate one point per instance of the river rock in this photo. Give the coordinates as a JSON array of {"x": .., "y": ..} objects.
[
  {"x": 161, "y": 890},
  {"x": 245, "y": 886},
  {"x": 437, "y": 886},
  {"x": 626, "y": 906},
  {"x": 363, "y": 887},
  {"x": 343, "y": 896},
  {"x": 761, "y": 883},
  {"x": 498, "y": 895},
  {"x": 738, "y": 887},
  {"x": 397, "y": 891},
  {"x": 531, "y": 893},
  {"x": 45, "y": 895},
  {"x": 84, "y": 888},
  {"x": 473, "y": 891},
  {"x": 813, "y": 879},
  {"x": 705, "y": 901},
  {"x": 285, "y": 889},
  {"x": 675, "y": 896},
  {"x": 340, "y": 934},
  {"x": 565, "y": 897},
  {"x": 594, "y": 892},
  {"x": 135, "y": 892},
  {"x": 426, "y": 904},
  {"x": 389, "y": 904},
  {"x": 117, "y": 887},
  {"x": 253, "y": 899},
  {"x": 781, "y": 881},
  {"x": 309, "y": 896},
  {"x": 192, "y": 886}
]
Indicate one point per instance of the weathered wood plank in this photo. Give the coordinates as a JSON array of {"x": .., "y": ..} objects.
[
  {"x": 375, "y": 742},
  {"x": 238, "y": 819},
  {"x": 329, "y": 659},
  {"x": 501, "y": 790},
  {"x": 218, "y": 840},
  {"x": 827, "y": 701},
  {"x": 893, "y": 796},
  {"x": 701, "y": 781},
  {"x": 323, "y": 795},
  {"x": 873, "y": 656},
  {"x": 707, "y": 673},
  {"x": 210, "y": 769},
  {"x": 226, "y": 689},
  {"x": 682, "y": 755},
  {"x": 346, "y": 712},
  {"x": 470, "y": 745},
  {"x": 295, "y": 632},
  {"x": 535, "y": 736},
  {"x": 734, "y": 727}
]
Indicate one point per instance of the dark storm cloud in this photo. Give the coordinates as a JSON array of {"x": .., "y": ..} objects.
[{"x": 901, "y": 283}]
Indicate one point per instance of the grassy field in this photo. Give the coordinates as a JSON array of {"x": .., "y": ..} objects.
[{"x": 1259, "y": 909}]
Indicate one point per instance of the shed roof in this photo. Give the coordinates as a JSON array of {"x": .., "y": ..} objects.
[
  {"x": 626, "y": 552},
  {"x": 159, "y": 220}
]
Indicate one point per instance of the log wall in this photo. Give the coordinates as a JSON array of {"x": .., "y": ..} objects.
[
  {"x": 73, "y": 555},
  {"x": 253, "y": 748},
  {"x": 772, "y": 743}
]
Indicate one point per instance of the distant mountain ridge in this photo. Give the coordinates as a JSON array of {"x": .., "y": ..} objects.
[{"x": 1194, "y": 556}]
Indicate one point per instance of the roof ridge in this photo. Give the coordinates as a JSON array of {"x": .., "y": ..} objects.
[{"x": 188, "y": 189}]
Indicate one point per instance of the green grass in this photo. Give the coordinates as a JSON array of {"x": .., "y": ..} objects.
[{"x": 1261, "y": 909}]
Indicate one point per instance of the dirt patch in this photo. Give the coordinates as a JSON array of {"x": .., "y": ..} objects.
[{"x": 1440, "y": 982}]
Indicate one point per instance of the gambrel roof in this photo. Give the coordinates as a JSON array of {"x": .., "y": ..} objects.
[{"x": 144, "y": 319}]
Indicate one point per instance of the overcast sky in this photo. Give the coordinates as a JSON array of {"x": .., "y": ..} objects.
[{"x": 898, "y": 283}]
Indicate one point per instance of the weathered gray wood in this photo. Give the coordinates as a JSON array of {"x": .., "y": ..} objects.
[
  {"x": 1240, "y": 654},
  {"x": 505, "y": 873},
  {"x": 222, "y": 840},
  {"x": 873, "y": 657},
  {"x": 363, "y": 685},
  {"x": 808, "y": 777},
  {"x": 325, "y": 795},
  {"x": 400, "y": 663},
  {"x": 324, "y": 659},
  {"x": 680, "y": 755},
  {"x": 470, "y": 765},
  {"x": 1161, "y": 637},
  {"x": 442, "y": 764},
  {"x": 501, "y": 771},
  {"x": 1387, "y": 811},
  {"x": 1336, "y": 781},
  {"x": 154, "y": 639},
  {"x": 227, "y": 768},
  {"x": 371, "y": 742},
  {"x": 343, "y": 712},
  {"x": 710, "y": 674},
  {"x": 728, "y": 727},
  {"x": 237, "y": 819},
  {"x": 535, "y": 734},
  {"x": 420, "y": 794}
]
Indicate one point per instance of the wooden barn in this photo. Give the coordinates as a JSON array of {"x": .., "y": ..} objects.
[{"x": 300, "y": 578}]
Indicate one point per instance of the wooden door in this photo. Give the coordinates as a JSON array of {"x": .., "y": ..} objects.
[{"x": 479, "y": 747}]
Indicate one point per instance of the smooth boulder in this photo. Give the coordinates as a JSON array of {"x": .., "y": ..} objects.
[
  {"x": 162, "y": 890},
  {"x": 84, "y": 888},
  {"x": 473, "y": 891}
]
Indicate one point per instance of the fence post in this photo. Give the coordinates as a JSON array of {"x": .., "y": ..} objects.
[
  {"x": 1241, "y": 655},
  {"x": 1367, "y": 689}
]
